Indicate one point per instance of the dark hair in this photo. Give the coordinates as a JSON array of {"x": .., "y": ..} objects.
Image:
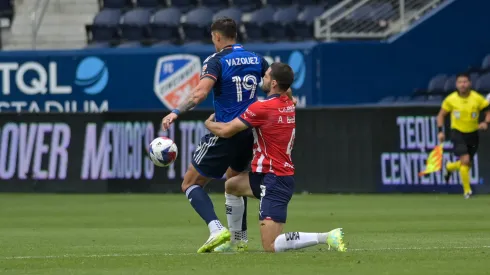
[
  {"x": 225, "y": 26},
  {"x": 463, "y": 75},
  {"x": 283, "y": 74}
]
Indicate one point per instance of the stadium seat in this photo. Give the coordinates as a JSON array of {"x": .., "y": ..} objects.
[
  {"x": 283, "y": 20},
  {"x": 165, "y": 44},
  {"x": 165, "y": 25},
  {"x": 450, "y": 85},
  {"x": 134, "y": 24},
  {"x": 382, "y": 11},
  {"x": 232, "y": 13},
  {"x": 151, "y": 4},
  {"x": 483, "y": 84},
  {"x": 474, "y": 78},
  {"x": 279, "y": 3},
  {"x": 258, "y": 20},
  {"x": 303, "y": 3},
  {"x": 247, "y": 5},
  {"x": 132, "y": 44},
  {"x": 7, "y": 10},
  {"x": 436, "y": 84},
  {"x": 485, "y": 65},
  {"x": 104, "y": 27},
  {"x": 98, "y": 45},
  {"x": 115, "y": 4},
  {"x": 196, "y": 25},
  {"x": 215, "y": 5},
  {"x": 303, "y": 26},
  {"x": 184, "y": 5}
]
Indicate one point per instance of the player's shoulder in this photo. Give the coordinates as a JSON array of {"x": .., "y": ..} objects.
[
  {"x": 451, "y": 96},
  {"x": 477, "y": 95},
  {"x": 215, "y": 57}
]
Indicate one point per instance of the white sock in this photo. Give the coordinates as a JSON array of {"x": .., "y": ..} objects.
[
  {"x": 234, "y": 215},
  {"x": 215, "y": 226},
  {"x": 298, "y": 240}
]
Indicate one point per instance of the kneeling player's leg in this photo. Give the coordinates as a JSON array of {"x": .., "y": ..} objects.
[{"x": 276, "y": 192}]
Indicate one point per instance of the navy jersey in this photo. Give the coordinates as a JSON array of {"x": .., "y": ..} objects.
[{"x": 238, "y": 74}]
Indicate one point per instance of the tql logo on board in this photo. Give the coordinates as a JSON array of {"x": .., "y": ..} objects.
[
  {"x": 22, "y": 80},
  {"x": 175, "y": 77}
]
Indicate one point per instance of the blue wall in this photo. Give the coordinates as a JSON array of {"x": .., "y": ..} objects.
[{"x": 446, "y": 41}]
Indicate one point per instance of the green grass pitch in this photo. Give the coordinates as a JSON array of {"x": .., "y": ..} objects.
[{"x": 159, "y": 234}]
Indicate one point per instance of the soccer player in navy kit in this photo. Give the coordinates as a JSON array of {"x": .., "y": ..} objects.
[
  {"x": 273, "y": 122},
  {"x": 234, "y": 75}
]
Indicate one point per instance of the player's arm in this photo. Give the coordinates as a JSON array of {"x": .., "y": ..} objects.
[
  {"x": 198, "y": 95},
  {"x": 209, "y": 76},
  {"x": 443, "y": 112},
  {"x": 485, "y": 109},
  {"x": 254, "y": 116},
  {"x": 225, "y": 130}
]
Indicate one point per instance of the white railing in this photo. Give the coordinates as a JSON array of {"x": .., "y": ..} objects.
[
  {"x": 37, "y": 16},
  {"x": 370, "y": 19}
]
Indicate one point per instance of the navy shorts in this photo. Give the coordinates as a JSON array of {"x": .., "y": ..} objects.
[
  {"x": 214, "y": 154},
  {"x": 274, "y": 193}
]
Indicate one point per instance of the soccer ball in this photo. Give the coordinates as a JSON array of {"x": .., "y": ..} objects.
[{"x": 163, "y": 151}]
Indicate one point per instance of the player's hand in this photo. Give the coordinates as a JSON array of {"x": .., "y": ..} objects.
[
  {"x": 168, "y": 120},
  {"x": 211, "y": 117},
  {"x": 441, "y": 137},
  {"x": 483, "y": 126}
]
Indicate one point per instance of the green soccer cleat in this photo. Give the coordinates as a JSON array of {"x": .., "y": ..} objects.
[
  {"x": 335, "y": 240},
  {"x": 214, "y": 241},
  {"x": 240, "y": 246}
]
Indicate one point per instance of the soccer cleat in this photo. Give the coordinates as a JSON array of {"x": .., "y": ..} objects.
[
  {"x": 240, "y": 246},
  {"x": 335, "y": 240},
  {"x": 214, "y": 241},
  {"x": 468, "y": 195}
]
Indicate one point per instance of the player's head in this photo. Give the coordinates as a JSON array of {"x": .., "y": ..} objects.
[
  {"x": 278, "y": 78},
  {"x": 463, "y": 83},
  {"x": 223, "y": 32}
]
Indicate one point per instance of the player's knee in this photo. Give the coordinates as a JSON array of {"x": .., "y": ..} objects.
[
  {"x": 192, "y": 177},
  {"x": 231, "y": 188},
  {"x": 465, "y": 160},
  {"x": 269, "y": 247}
]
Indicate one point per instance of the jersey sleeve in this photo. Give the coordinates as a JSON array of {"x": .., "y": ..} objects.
[
  {"x": 211, "y": 68},
  {"x": 255, "y": 115},
  {"x": 265, "y": 66},
  {"x": 446, "y": 105},
  {"x": 484, "y": 104}
]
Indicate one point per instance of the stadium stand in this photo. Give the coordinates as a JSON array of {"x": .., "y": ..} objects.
[
  {"x": 180, "y": 22},
  {"x": 441, "y": 85},
  {"x": 75, "y": 23}
]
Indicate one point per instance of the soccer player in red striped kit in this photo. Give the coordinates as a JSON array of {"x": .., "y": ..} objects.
[{"x": 273, "y": 123}]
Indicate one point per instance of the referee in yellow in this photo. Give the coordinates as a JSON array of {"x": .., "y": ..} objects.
[{"x": 465, "y": 106}]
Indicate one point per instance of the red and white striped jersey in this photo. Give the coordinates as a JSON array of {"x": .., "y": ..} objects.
[{"x": 273, "y": 122}]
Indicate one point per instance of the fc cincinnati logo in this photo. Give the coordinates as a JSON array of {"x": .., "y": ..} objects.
[{"x": 175, "y": 77}]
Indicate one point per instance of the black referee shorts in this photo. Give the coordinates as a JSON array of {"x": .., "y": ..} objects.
[{"x": 464, "y": 143}]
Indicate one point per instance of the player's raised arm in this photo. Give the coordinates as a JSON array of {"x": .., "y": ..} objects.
[{"x": 225, "y": 130}]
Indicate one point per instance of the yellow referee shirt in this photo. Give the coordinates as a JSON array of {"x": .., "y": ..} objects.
[{"x": 465, "y": 111}]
